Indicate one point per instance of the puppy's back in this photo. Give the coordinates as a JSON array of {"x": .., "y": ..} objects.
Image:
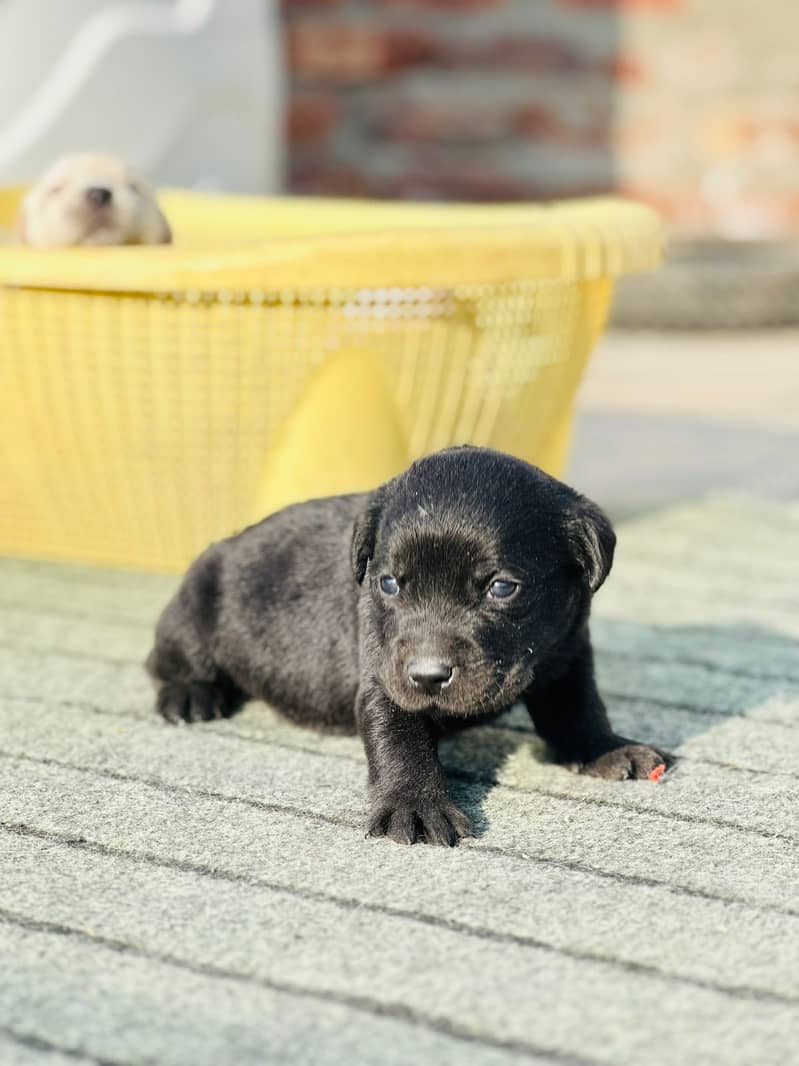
[{"x": 273, "y": 609}]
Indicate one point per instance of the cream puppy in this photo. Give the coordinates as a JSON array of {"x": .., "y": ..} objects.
[{"x": 90, "y": 200}]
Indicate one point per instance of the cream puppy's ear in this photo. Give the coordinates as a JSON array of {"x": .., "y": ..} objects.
[
  {"x": 165, "y": 230},
  {"x": 153, "y": 227}
]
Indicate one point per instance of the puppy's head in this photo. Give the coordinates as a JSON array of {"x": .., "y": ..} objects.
[
  {"x": 478, "y": 567},
  {"x": 91, "y": 199}
]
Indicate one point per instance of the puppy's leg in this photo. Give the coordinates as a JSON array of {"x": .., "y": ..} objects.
[
  {"x": 568, "y": 713},
  {"x": 189, "y": 685},
  {"x": 407, "y": 788}
]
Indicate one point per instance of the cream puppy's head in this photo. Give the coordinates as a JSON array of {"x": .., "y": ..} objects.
[{"x": 91, "y": 199}]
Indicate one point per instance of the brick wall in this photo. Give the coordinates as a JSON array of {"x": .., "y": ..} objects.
[
  {"x": 710, "y": 129},
  {"x": 690, "y": 104}
]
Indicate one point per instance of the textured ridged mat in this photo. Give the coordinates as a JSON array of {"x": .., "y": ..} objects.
[{"x": 204, "y": 895}]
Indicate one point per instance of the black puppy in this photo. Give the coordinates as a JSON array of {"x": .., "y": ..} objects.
[{"x": 445, "y": 595}]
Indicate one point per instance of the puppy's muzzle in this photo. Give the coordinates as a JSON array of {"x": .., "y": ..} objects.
[
  {"x": 97, "y": 196},
  {"x": 430, "y": 675}
]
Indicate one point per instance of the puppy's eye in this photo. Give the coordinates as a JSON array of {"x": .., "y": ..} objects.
[
  {"x": 502, "y": 590},
  {"x": 389, "y": 585}
]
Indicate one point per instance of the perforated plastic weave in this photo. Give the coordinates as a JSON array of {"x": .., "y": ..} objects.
[{"x": 156, "y": 399}]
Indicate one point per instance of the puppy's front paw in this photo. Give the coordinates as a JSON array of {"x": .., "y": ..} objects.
[
  {"x": 408, "y": 819},
  {"x": 628, "y": 762}
]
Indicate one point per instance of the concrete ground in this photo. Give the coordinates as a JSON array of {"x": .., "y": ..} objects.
[
  {"x": 204, "y": 895},
  {"x": 667, "y": 417}
]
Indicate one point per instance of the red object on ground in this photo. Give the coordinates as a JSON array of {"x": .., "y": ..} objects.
[{"x": 658, "y": 772}]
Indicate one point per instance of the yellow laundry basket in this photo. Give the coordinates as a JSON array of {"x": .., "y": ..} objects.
[{"x": 154, "y": 399}]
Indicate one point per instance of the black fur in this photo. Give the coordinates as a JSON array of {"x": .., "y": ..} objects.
[{"x": 292, "y": 611}]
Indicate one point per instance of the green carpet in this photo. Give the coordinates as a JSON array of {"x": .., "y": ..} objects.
[{"x": 204, "y": 895}]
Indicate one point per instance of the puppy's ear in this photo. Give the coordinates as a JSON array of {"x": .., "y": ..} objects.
[
  {"x": 165, "y": 230},
  {"x": 364, "y": 534},
  {"x": 592, "y": 541}
]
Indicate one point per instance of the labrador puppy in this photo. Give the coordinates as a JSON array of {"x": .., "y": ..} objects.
[
  {"x": 441, "y": 598},
  {"x": 91, "y": 200}
]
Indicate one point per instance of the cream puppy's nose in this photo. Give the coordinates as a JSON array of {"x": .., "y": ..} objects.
[{"x": 98, "y": 196}]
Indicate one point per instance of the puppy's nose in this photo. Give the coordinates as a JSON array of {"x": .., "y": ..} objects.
[
  {"x": 98, "y": 196},
  {"x": 429, "y": 674}
]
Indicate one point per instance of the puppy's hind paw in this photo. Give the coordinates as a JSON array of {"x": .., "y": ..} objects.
[
  {"x": 408, "y": 820},
  {"x": 630, "y": 762},
  {"x": 195, "y": 702}
]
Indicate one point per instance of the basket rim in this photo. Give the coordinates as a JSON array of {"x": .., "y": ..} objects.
[{"x": 346, "y": 244}]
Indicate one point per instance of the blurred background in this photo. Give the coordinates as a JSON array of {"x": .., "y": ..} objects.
[{"x": 689, "y": 105}]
